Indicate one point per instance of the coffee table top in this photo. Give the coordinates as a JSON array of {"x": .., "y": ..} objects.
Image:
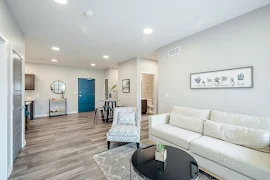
[{"x": 179, "y": 164}]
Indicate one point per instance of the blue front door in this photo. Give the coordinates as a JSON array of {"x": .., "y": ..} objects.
[{"x": 86, "y": 95}]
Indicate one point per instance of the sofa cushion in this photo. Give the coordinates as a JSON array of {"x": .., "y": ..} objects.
[
  {"x": 248, "y": 137},
  {"x": 175, "y": 135},
  {"x": 262, "y": 123},
  {"x": 185, "y": 111},
  {"x": 126, "y": 118},
  {"x": 124, "y": 130},
  {"x": 188, "y": 123},
  {"x": 252, "y": 163}
]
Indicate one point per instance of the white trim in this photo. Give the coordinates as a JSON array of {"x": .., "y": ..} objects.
[
  {"x": 10, "y": 169},
  {"x": 3, "y": 111},
  {"x": 43, "y": 115},
  {"x": 74, "y": 112},
  {"x": 24, "y": 144},
  {"x": 4, "y": 40},
  {"x": 47, "y": 115}
]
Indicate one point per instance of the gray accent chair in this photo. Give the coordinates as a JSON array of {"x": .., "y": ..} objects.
[{"x": 125, "y": 132}]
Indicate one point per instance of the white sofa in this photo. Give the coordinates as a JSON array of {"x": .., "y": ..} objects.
[{"x": 229, "y": 146}]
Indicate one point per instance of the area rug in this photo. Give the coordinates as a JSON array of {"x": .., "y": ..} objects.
[{"x": 115, "y": 164}]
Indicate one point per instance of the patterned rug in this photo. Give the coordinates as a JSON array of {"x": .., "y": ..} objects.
[{"x": 115, "y": 164}]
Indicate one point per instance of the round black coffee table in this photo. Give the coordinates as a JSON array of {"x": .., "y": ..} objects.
[{"x": 179, "y": 165}]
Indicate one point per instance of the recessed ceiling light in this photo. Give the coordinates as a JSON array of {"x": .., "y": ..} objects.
[
  {"x": 54, "y": 60},
  {"x": 93, "y": 64},
  {"x": 61, "y": 1},
  {"x": 148, "y": 31},
  {"x": 55, "y": 48},
  {"x": 106, "y": 57}
]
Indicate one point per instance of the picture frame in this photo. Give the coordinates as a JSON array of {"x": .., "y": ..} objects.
[
  {"x": 126, "y": 85},
  {"x": 223, "y": 79}
]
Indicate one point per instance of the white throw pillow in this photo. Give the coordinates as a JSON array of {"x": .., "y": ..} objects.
[
  {"x": 126, "y": 118},
  {"x": 191, "y": 112},
  {"x": 262, "y": 123},
  {"x": 185, "y": 122},
  {"x": 252, "y": 138}
]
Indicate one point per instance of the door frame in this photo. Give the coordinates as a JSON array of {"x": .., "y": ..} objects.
[
  {"x": 6, "y": 96},
  {"x": 105, "y": 87},
  {"x": 155, "y": 90},
  {"x": 14, "y": 53},
  {"x": 3, "y": 111}
]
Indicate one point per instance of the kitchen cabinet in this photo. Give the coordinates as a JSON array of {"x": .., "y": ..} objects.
[{"x": 29, "y": 82}]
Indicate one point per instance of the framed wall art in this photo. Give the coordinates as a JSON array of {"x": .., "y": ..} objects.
[
  {"x": 227, "y": 78},
  {"x": 126, "y": 85}
]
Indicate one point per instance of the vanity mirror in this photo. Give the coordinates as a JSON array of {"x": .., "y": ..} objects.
[{"x": 58, "y": 87}]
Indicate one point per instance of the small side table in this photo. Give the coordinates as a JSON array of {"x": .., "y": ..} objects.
[{"x": 58, "y": 112}]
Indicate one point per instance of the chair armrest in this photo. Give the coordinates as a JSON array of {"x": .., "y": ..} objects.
[{"x": 159, "y": 119}]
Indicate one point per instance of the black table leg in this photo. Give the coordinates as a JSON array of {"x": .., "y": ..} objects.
[{"x": 108, "y": 111}]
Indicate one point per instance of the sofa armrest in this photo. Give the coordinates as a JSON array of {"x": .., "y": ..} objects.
[{"x": 159, "y": 119}]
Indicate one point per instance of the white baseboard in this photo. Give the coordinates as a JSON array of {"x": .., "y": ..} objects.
[
  {"x": 75, "y": 112},
  {"x": 44, "y": 115},
  {"x": 10, "y": 170},
  {"x": 47, "y": 115}
]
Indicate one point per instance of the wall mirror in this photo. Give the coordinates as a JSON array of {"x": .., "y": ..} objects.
[{"x": 58, "y": 87}]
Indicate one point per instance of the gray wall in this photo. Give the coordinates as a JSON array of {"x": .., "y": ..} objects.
[
  {"x": 46, "y": 74},
  {"x": 243, "y": 41},
  {"x": 128, "y": 70}
]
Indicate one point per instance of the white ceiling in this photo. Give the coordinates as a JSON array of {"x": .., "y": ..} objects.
[{"x": 116, "y": 27}]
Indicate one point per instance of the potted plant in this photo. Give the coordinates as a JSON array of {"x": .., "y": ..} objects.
[
  {"x": 63, "y": 94},
  {"x": 160, "y": 153},
  {"x": 241, "y": 80},
  {"x": 232, "y": 81},
  {"x": 198, "y": 81},
  {"x": 217, "y": 81},
  {"x": 209, "y": 82},
  {"x": 224, "y": 81},
  {"x": 111, "y": 91}
]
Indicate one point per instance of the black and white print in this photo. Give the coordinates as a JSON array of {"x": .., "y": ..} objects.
[
  {"x": 228, "y": 78},
  {"x": 126, "y": 86}
]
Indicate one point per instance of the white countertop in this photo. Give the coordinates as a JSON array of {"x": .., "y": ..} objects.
[
  {"x": 27, "y": 102},
  {"x": 109, "y": 100}
]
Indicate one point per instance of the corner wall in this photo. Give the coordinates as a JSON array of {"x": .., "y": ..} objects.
[
  {"x": 128, "y": 70},
  {"x": 132, "y": 70},
  {"x": 112, "y": 75},
  {"x": 243, "y": 41}
]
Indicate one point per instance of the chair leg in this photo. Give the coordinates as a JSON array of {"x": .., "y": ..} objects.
[
  {"x": 108, "y": 144},
  {"x": 138, "y": 145},
  {"x": 95, "y": 116}
]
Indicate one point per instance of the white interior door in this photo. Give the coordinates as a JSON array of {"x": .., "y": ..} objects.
[{"x": 17, "y": 106}]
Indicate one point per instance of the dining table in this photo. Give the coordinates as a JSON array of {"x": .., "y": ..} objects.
[{"x": 109, "y": 105}]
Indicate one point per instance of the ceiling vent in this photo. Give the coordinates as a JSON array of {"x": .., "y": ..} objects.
[{"x": 174, "y": 52}]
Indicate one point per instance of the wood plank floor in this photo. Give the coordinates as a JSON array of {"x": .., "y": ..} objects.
[{"x": 63, "y": 148}]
